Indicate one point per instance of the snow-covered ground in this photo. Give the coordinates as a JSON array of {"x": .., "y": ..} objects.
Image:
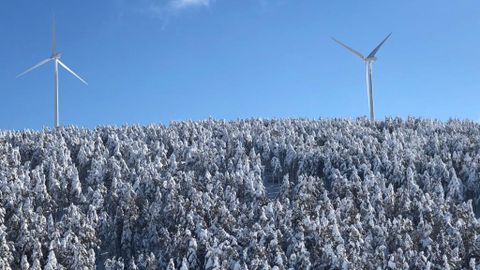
[{"x": 246, "y": 194}]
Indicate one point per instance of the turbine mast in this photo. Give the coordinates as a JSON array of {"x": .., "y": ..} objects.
[
  {"x": 57, "y": 116},
  {"x": 370, "y": 89}
]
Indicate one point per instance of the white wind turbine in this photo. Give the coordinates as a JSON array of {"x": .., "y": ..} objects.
[
  {"x": 368, "y": 63},
  {"x": 55, "y": 57}
]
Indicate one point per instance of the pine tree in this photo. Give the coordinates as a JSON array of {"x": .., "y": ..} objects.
[{"x": 52, "y": 261}]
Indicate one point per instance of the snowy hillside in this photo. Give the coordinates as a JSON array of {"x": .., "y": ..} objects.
[{"x": 248, "y": 194}]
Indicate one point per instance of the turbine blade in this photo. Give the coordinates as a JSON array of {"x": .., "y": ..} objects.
[
  {"x": 54, "y": 38},
  {"x": 34, "y": 67},
  {"x": 350, "y": 49},
  {"x": 372, "y": 54},
  {"x": 71, "y": 71}
]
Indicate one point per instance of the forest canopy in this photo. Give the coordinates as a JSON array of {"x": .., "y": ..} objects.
[{"x": 244, "y": 194}]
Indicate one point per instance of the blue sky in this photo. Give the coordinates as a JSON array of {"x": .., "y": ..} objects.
[{"x": 156, "y": 61}]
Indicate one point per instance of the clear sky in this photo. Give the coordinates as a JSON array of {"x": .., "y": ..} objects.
[{"x": 156, "y": 61}]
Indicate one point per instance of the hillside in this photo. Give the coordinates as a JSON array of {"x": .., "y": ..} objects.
[{"x": 246, "y": 194}]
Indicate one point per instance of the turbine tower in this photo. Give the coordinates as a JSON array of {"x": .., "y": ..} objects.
[
  {"x": 55, "y": 57},
  {"x": 368, "y": 64}
]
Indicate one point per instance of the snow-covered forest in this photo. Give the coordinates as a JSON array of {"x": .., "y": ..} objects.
[{"x": 246, "y": 194}]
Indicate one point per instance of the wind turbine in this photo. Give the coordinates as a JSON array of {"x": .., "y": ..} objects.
[
  {"x": 368, "y": 64},
  {"x": 55, "y": 57}
]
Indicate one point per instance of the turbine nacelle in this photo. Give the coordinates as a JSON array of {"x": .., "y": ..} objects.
[{"x": 56, "y": 56}]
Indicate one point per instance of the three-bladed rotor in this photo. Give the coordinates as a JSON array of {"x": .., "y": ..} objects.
[
  {"x": 55, "y": 57},
  {"x": 371, "y": 57}
]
